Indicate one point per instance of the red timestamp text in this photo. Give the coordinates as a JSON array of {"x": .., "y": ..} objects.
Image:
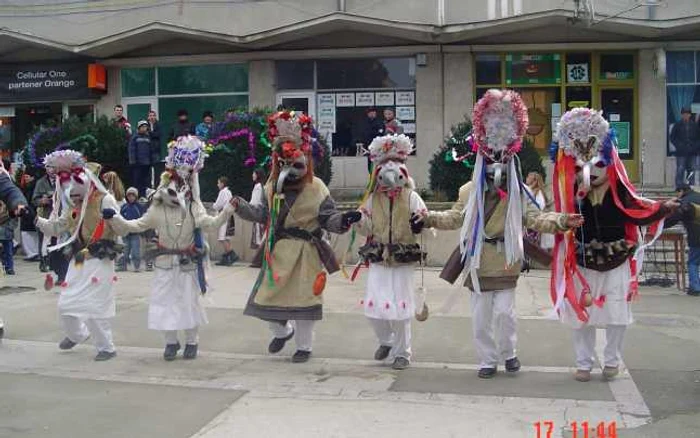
[{"x": 583, "y": 429}]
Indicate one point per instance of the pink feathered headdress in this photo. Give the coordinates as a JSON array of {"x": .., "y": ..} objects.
[{"x": 499, "y": 123}]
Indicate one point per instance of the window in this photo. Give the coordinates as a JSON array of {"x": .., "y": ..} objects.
[
  {"x": 488, "y": 68},
  {"x": 543, "y": 68},
  {"x": 345, "y": 90},
  {"x": 196, "y": 89},
  {"x": 682, "y": 89},
  {"x": 138, "y": 82},
  {"x": 617, "y": 66}
]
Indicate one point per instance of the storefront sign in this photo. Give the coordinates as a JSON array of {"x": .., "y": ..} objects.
[
  {"x": 384, "y": 98},
  {"x": 405, "y": 98},
  {"x": 326, "y": 99},
  {"x": 326, "y": 118},
  {"x": 409, "y": 128},
  {"x": 364, "y": 99},
  {"x": 406, "y": 112},
  {"x": 577, "y": 73},
  {"x": 622, "y": 129},
  {"x": 542, "y": 68},
  {"x": 45, "y": 82},
  {"x": 345, "y": 99}
]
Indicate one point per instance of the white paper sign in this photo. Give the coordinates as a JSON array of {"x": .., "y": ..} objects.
[
  {"x": 409, "y": 128},
  {"x": 326, "y": 99},
  {"x": 364, "y": 99},
  {"x": 614, "y": 117},
  {"x": 326, "y": 119},
  {"x": 405, "y": 98},
  {"x": 384, "y": 98},
  {"x": 345, "y": 99},
  {"x": 556, "y": 109},
  {"x": 406, "y": 112}
]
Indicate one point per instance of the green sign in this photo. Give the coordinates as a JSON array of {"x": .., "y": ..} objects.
[
  {"x": 622, "y": 129},
  {"x": 542, "y": 68}
]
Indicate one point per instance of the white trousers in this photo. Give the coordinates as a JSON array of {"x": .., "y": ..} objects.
[
  {"x": 303, "y": 332},
  {"x": 584, "y": 345},
  {"x": 78, "y": 330},
  {"x": 191, "y": 336},
  {"x": 395, "y": 334},
  {"x": 30, "y": 243},
  {"x": 489, "y": 309}
]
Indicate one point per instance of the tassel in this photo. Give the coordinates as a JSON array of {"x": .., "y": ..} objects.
[
  {"x": 320, "y": 283},
  {"x": 599, "y": 301},
  {"x": 48, "y": 282},
  {"x": 94, "y": 280}
]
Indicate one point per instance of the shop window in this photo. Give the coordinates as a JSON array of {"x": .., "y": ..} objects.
[
  {"x": 488, "y": 68},
  {"x": 683, "y": 89},
  {"x": 541, "y": 68},
  {"x": 616, "y": 66},
  {"x": 366, "y": 73},
  {"x": 203, "y": 79},
  {"x": 138, "y": 82},
  {"x": 83, "y": 112},
  {"x": 578, "y": 68},
  {"x": 295, "y": 75},
  {"x": 544, "y": 106},
  {"x": 195, "y": 106},
  {"x": 578, "y": 97}
]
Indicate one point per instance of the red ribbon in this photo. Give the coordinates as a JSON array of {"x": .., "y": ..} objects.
[{"x": 65, "y": 175}]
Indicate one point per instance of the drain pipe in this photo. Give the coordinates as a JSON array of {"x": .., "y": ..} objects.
[
  {"x": 652, "y": 5},
  {"x": 341, "y": 5}
]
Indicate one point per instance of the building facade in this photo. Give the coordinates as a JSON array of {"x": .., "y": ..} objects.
[{"x": 426, "y": 60}]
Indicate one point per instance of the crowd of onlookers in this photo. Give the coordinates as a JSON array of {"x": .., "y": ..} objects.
[{"x": 145, "y": 164}]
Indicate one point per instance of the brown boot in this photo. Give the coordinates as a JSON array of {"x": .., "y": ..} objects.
[
  {"x": 582, "y": 375},
  {"x": 610, "y": 373}
]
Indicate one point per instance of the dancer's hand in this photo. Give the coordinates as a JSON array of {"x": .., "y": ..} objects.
[
  {"x": 235, "y": 202},
  {"x": 574, "y": 221},
  {"x": 351, "y": 217},
  {"x": 672, "y": 205},
  {"x": 108, "y": 213},
  {"x": 417, "y": 223}
]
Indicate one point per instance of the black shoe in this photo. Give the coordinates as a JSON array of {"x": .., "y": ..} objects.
[
  {"x": 487, "y": 373},
  {"x": 105, "y": 355},
  {"x": 400, "y": 363},
  {"x": 382, "y": 352},
  {"x": 34, "y": 258},
  {"x": 225, "y": 257},
  {"x": 2, "y": 332},
  {"x": 44, "y": 265},
  {"x": 170, "y": 352},
  {"x": 513, "y": 365},
  {"x": 67, "y": 344},
  {"x": 10, "y": 271},
  {"x": 277, "y": 344},
  {"x": 149, "y": 267},
  {"x": 190, "y": 351},
  {"x": 693, "y": 293},
  {"x": 233, "y": 258},
  {"x": 301, "y": 356}
]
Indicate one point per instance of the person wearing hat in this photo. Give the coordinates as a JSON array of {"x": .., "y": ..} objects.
[
  {"x": 374, "y": 128},
  {"x": 142, "y": 155},
  {"x": 685, "y": 136},
  {"x": 131, "y": 210},
  {"x": 183, "y": 126}
]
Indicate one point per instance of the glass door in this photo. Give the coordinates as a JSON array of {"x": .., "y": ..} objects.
[
  {"x": 136, "y": 109},
  {"x": 298, "y": 101},
  {"x": 618, "y": 105}
]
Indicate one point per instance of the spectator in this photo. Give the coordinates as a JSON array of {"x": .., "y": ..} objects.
[
  {"x": 114, "y": 186},
  {"x": 42, "y": 200},
  {"x": 154, "y": 131},
  {"x": 689, "y": 198},
  {"x": 391, "y": 124},
  {"x": 228, "y": 229},
  {"x": 204, "y": 129},
  {"x": 121, "y": 121},
  {"x": 535, "y": 182},
  {"x": 132, "y": 242},
  {"x": 256, "y": 198},
  {"x": 182, "y": 126},
  {"x": 7, "y": 233},
  {"x": 30, "y": 238},
  {"x": 685, "y": 136},
  {"x": 373, "y": 128},
  {"x": 142, "y": 155}
]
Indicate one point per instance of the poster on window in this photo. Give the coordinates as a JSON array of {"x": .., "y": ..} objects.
[
  {"x": 409, "y": 128},
  {"x": 326, "y": 119},
  {"x": 327, "y": 99},
  {"x": 345, "y": 99},
  {"x": 364, "y": 99},
  {"x": 406, "y": 98},
  {"x": 406, "y": 112},
  {"x": 384, "y": 98},
  {"x": 622, "y": 131}
]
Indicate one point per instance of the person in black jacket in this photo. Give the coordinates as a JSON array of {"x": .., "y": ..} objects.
[
  {"x": 374, "y": 127},
  {"x": 16, "y": 205},
  {"x": 155, "y": 133},
  {"x": 183, "y": 126},
  {"x": 685, "y": 136},
  {"x": 686, "y": 215},
  {"x": 142, "y": 155}
]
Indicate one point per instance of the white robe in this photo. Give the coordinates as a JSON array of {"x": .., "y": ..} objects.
[
  {"x": 390, "y": 289},
  {"x": 175, "y": 302}
]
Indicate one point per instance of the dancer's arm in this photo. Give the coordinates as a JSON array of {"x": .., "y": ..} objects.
[
  {"x": 204, "y": 221},
  {"x": 251, "y": 212},
  {"x": 450, "y": 219},
  {"x": 55, "y": 225},
  {"x": 123, "y": 227}
]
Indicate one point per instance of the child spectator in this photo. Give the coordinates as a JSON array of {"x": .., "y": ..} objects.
[
  {"x": 7, "y": 232},
  {"x": 132, "y": 210}
]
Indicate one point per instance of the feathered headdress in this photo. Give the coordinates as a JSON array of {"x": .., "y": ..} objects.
[
  {"x": 390, "y": 147},
  {"x": 71, "y": 168},
  {"x": 584, "y": 139},
  {"x": 185, "y": 159},
  {"x": 499, "y": 123}
]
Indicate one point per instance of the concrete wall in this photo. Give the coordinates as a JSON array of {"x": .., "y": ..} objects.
[
  {"x": 652, "y": 119},
  {"x": 105, "y": 106},
  {"x": 429, "y": 115},
  {"x": 459, "y": 90},
  {"x": 261, "y": 84}
]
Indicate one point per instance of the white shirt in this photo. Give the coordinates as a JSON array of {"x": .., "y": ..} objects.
[
  {"x": 223, "y": 198},
  {"x": 256, "y": 198}
]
